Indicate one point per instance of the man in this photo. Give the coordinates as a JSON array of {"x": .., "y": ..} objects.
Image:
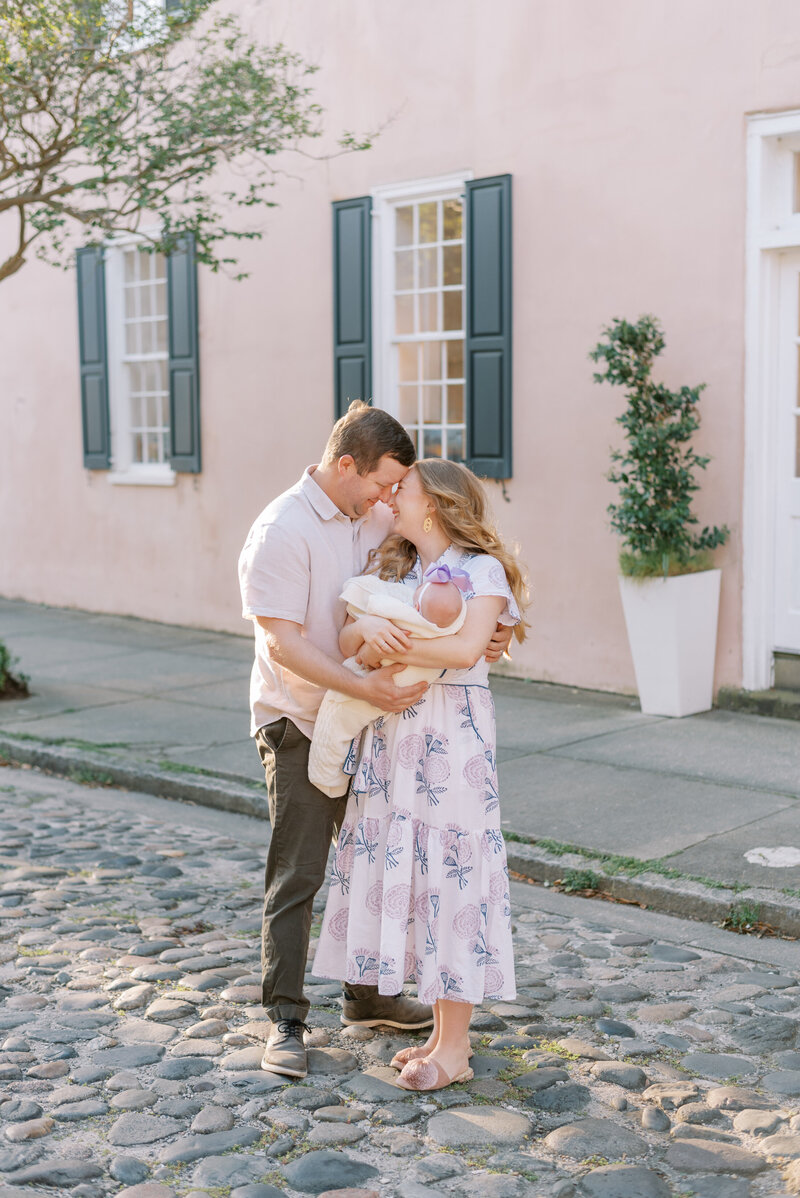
[{"x": 296, "y": 558}]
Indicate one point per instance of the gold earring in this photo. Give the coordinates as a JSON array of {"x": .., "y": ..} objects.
[{"x": 427, "y": 524}]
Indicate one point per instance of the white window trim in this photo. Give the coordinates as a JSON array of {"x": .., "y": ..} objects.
[
  {"x": 772, "y": 138},
  {"x": 124, "y": 472},
  {"x": 384, "y": 199}
]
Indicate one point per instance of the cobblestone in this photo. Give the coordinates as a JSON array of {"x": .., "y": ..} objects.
[{"x": 132, "y": 1036}]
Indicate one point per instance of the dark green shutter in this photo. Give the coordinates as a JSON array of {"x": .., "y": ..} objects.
[
  {"x": 488, "y": 347},
  {"x": 184, "y": 372},
  {"x": 352, "y": 302},
  {"x": 93, "y": 358}
]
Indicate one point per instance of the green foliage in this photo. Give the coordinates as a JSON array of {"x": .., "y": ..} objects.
[
  {"x": 655, "y": 472},
  {"x": 120, "y": 117},
  {"x": 579, "y": 879},
  {"x": 12, "y": 682},
  {"x": 743, "y": 916}
]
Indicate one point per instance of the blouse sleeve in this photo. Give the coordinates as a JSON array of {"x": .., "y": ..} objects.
[{"x": 488, "y": 577}]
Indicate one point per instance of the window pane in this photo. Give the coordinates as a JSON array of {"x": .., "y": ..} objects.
[
  {"x": 452, "y": 255},
  {"x": 132, "y": 338},
  {"x": 428, "y": 268},
  {"x": 161, "y": 383},
  {"x": 427, "y": 222},
  {"x": 130, "y": 301},
  {"x": 145, "y": 301},
  {"x": 432, "y": 443},
  {"x": 407, "y": 412},
  {"x": 455, "y": 445},
  {"x": 452, "y": 220},
  {"x": 455, "y": 403},
  {"x": 453, "y": 310},
  {"x": 429, "y": 312},
  {"x": 404, "y": 226},
  {"x": 135, "y": 380},
  {"x": 152, "y": 448},
  {"x": 431, "y": 359},
  {"x": 153, "y": 409},
  {"x": 432, "y": 405},
  {"x": 404, "y": 314},
  {"x": 407, "y": 363},
  {"x": 138, "y": 447},
  {"x": 160, "y": 298},
  {"x": 161, "y": 336},
  {"x": 403, "y": 270},
  {"x": 146, "y": 338},
  {"x": 130, "y": 266},
  {"x": 455, "y": 359}
]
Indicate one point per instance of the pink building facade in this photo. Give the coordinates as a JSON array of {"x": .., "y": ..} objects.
[{"x": 639, "y": 158}]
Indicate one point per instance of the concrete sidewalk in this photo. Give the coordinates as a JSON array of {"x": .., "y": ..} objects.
[{"x": 164, "y": 709}]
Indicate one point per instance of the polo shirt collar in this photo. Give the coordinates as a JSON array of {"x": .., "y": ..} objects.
[{"x": 322, "y": 504}]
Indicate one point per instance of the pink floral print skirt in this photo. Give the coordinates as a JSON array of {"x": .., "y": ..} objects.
[{"x": 419, "y": 889}]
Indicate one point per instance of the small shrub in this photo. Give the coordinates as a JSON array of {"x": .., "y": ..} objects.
[{"x": 12, "y": 684}]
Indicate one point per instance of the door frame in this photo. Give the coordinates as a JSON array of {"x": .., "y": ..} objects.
[{"x": 772, "y": 225}]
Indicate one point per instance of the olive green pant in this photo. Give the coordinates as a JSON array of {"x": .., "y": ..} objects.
[{"x": 304, "y": 821}]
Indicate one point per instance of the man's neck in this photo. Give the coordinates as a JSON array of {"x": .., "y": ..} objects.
[{"x": 327, "y": 479}]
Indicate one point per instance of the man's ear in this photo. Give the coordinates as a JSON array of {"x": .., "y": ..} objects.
[{"x": 346, "y": 464}]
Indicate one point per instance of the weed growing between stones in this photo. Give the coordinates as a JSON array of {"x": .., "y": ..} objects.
[
  {"x": 558, "y": 1050},
  {"x": 89, "y": 777},
  {"x": 574, "y": 880}
]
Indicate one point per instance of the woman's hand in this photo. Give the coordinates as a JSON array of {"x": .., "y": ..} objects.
[{"x": 381, "y": 637}]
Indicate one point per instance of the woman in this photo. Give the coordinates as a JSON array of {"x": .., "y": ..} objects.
[{"x": 419, "y": 888}]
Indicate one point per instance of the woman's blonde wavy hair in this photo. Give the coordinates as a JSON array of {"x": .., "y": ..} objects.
[{"x": 459, "y": 502}]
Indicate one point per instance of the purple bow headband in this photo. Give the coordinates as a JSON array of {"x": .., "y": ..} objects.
[{"x": 443, "y": 573}]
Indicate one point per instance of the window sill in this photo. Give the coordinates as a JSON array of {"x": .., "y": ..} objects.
[{"x": 144, "y": 476}]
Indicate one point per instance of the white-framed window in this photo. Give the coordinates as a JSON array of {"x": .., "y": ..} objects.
[
  {"x": 138, "y": 364},
  {"x": 419, "y": 311}
]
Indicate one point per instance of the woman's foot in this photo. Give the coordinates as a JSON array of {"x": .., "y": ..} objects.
[
  {"x": 427, "y": 1074},
  {"x": 414, "y": 1053}
]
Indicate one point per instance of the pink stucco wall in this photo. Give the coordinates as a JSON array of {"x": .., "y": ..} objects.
[{"x": 623, "y": 125}]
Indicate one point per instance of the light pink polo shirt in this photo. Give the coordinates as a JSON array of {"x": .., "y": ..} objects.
[{"x": 294, "y": 563}]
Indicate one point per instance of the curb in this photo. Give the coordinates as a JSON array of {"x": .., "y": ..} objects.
[
  {"x": 671, "y": 896},
  {"x": 223, "y": 793}
]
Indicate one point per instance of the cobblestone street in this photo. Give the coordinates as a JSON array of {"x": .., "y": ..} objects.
[{"x": 645, "y": 1056}]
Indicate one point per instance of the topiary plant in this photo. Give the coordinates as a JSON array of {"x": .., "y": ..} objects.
[{"x": 656, "y": 470}]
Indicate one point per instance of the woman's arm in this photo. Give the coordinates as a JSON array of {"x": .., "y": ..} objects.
[
  {"x": 465, "y": 648},
  {"x": 350, "y": 639}
]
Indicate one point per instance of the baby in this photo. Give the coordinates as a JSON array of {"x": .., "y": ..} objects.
[
  {"x": 435, "y": 608},
  {"x": 439, "y": 602}
]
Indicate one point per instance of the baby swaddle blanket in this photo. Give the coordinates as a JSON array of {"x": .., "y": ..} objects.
[{"x": 342, "y": 719}]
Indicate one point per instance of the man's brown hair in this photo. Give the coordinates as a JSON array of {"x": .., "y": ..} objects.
[{"x": 367, "y": 434}]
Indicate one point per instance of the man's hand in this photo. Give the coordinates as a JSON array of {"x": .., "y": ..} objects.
[
  {"x": 381, "y": 689},
  {"x": 498, "y": 645}
]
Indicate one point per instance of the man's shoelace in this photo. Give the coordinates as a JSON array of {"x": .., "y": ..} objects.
[{"x": 292, "y": 1027}]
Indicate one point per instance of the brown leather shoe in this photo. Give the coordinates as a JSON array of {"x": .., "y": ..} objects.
[
  {"x": 396, "y": 1010},
  {"x": 285, "y": 1051}
]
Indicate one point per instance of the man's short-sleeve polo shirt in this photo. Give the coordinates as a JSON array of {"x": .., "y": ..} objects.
[{"x": 295, "y": 561}]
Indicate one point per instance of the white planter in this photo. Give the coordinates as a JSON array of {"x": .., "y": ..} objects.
[{"x": 672, "y": 630}]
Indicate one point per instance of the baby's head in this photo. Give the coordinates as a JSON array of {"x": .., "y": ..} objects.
[{"x": 439, "y": 602}]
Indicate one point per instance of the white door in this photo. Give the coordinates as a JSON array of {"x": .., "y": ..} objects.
[{"x": 787, "y": 463}]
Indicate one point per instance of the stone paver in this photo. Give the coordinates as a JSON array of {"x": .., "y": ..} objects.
[{"x": 131, "y": 1037}]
